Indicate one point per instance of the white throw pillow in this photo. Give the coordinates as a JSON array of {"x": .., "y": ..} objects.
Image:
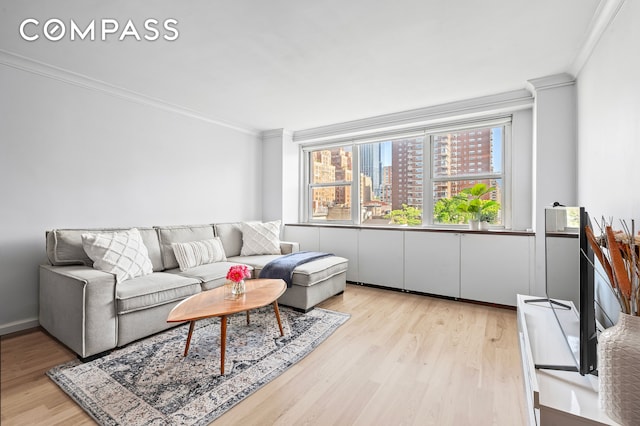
[
  {"x": 195, "y": 253},
  {"x": 260, "y": 238},
  {"x": 121, "y": 253}
]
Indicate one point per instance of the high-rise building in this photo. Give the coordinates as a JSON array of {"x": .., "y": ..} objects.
[
  {"x": 462, "y": 153},
  {"x": 323, "y": 172},
  {"x": 342, "y": 162},
  {"x": 371, "y": 165},
  {"x": 407, "y": 172},
  {"x": 366, "y": 188},
  {"x": 387, "y": 178}
]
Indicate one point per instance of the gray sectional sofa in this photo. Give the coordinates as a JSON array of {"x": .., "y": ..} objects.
[{"x": 88, "y": 311}]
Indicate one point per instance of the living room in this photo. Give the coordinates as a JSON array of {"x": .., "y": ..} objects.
[{"x": 210, "y": 127}]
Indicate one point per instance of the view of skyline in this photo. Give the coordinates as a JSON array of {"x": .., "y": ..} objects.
[
  {"x": 496, "y": 136},
  {"x": 392, "y": 172}
]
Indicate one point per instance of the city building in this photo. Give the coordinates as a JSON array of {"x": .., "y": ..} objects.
[
  {"x": 371, "y": 165},
  {"x": 406, "y": 173},
  {"x": 462, "y": 153}
]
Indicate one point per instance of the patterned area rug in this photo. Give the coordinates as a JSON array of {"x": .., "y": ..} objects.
[{"x": 150, "y": 382}]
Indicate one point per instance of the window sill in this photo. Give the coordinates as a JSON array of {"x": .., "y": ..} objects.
[{"x": 415, "y": 229}]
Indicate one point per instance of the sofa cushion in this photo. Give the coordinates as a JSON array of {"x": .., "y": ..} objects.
[
  {"x": 260, "y": 238},
  {"x": 306, "y": 274},
  {"x": 197, "y": 253},
  {"x": 319, "y": 270},
  {"x": 180, "y": 234},
  {"x": 212, "y": 275},
  {"x": 64, "y": 246},
  {"x": 121, "y": 253},
  {"x": 231, "y": 236},
  {"x": 153, "y": 290}
]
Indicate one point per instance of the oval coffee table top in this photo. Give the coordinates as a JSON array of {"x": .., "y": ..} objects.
[{"x": 212, "y": 303}]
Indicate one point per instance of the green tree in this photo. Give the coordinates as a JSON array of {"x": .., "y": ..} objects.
[
  {"x": 446, "y": 210},
  {"x": 408, "y": 215},
  {"x": 467, "y": 205}
]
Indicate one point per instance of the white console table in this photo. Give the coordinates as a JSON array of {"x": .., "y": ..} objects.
[{"x": 562, "y": 398}]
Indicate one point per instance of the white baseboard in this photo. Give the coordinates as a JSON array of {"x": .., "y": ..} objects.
[{"x": 12, "y": 327}]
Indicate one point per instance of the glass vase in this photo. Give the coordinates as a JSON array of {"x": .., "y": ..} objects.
[
  {"x": 619, "y": 370},
  {"x": 237, "y": 288}
]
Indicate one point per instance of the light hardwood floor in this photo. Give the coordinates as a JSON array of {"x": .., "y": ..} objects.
[{"x": 400, "y": 359}]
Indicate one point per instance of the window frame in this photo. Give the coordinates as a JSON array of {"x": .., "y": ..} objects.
[
  {"x": 505, "y": 175},
  {"x": 310, "y": 186},
  {"x": 428, "y": 133}
]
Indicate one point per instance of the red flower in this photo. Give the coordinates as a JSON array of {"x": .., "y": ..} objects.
[{"x": 238, "y": 273}]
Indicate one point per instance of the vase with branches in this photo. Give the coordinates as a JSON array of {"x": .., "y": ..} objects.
[
  {"x": 618, "y": 253},
  {"x": 619, "y": 346}
]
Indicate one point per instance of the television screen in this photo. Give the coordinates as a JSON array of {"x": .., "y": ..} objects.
[{"x": 588, "y": 327}]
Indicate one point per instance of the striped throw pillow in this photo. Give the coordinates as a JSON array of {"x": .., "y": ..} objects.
[{"x": 195, "y": 253}]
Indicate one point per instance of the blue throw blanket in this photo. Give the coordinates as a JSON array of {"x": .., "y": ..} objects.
[{"x": 283, "y": 267}]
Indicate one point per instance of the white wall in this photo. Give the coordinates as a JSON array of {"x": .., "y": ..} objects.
[
  {"x": 609, "y": 121},
  {"x": 75, "y": 157},
  {"x": 280, "y": 177},
  {"x": 521, "y": 165},
  {"x": 554, "y": 157},
  {"x": 608, "y": 100},
  {"x": 272, "y": 175}
]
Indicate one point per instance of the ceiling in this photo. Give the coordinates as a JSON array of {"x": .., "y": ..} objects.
[{"x": 298, "y": 64}]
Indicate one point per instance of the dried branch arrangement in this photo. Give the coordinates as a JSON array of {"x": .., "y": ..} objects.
[{"x": 618, "y": 253}]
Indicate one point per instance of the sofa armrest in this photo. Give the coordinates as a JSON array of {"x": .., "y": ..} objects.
[
  {"x": 288, "y": 247},
  {"x": 77, "y": 306}
]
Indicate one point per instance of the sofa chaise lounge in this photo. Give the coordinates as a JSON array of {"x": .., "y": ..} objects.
[{"x": 91, "y": 311}]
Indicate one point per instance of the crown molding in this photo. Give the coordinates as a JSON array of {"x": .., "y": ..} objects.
[
  {"x": 275, "y": 134},
  {"x": 550, "y": 82},
  {"x": 499, "y": 103},
  {"x": 604, "y": 15},
  {"x": 22, "y": 63}
]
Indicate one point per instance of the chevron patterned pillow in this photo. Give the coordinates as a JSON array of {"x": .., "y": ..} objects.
[
  {"x": 120, "y": 253},
  {"x": 260, "y": 238}
]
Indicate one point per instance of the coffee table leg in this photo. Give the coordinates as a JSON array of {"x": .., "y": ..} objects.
[
  {"x": 223, "y": 341},
  {"x": 248, "y": 320},
  {"x": 186, "y": 349},
  {"x": 277, "y": 311}
]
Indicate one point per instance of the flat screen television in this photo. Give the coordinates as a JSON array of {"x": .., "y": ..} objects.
[
  {"x": 588, "y": 362},
  {"x": 566, "y": 243}
]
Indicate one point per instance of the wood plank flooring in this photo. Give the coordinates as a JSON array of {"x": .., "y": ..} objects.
[{"x": 401, "y": 359}]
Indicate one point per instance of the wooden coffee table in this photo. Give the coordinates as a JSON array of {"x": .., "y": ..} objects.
[{"x": 212, "y": 303}]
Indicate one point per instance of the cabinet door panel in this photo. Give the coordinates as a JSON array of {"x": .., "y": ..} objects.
[
  {"x": 344, "y": 243},
  {"x": 432, "y": 263},
  {"x": 494, "y": 268},
  {"x": 380, "y": 257}
]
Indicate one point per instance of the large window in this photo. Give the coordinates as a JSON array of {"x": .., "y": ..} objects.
[
  {"x": 330, "y": 182},
  {"x": 460, "y": 161},
  {"x": 393, "y": 181}
]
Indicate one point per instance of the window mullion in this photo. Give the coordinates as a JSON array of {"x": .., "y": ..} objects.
[
  {"x": 355, "y": 188},
  {"x": 326, "y": 184},
  {"x": 427, "y": 179}
]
